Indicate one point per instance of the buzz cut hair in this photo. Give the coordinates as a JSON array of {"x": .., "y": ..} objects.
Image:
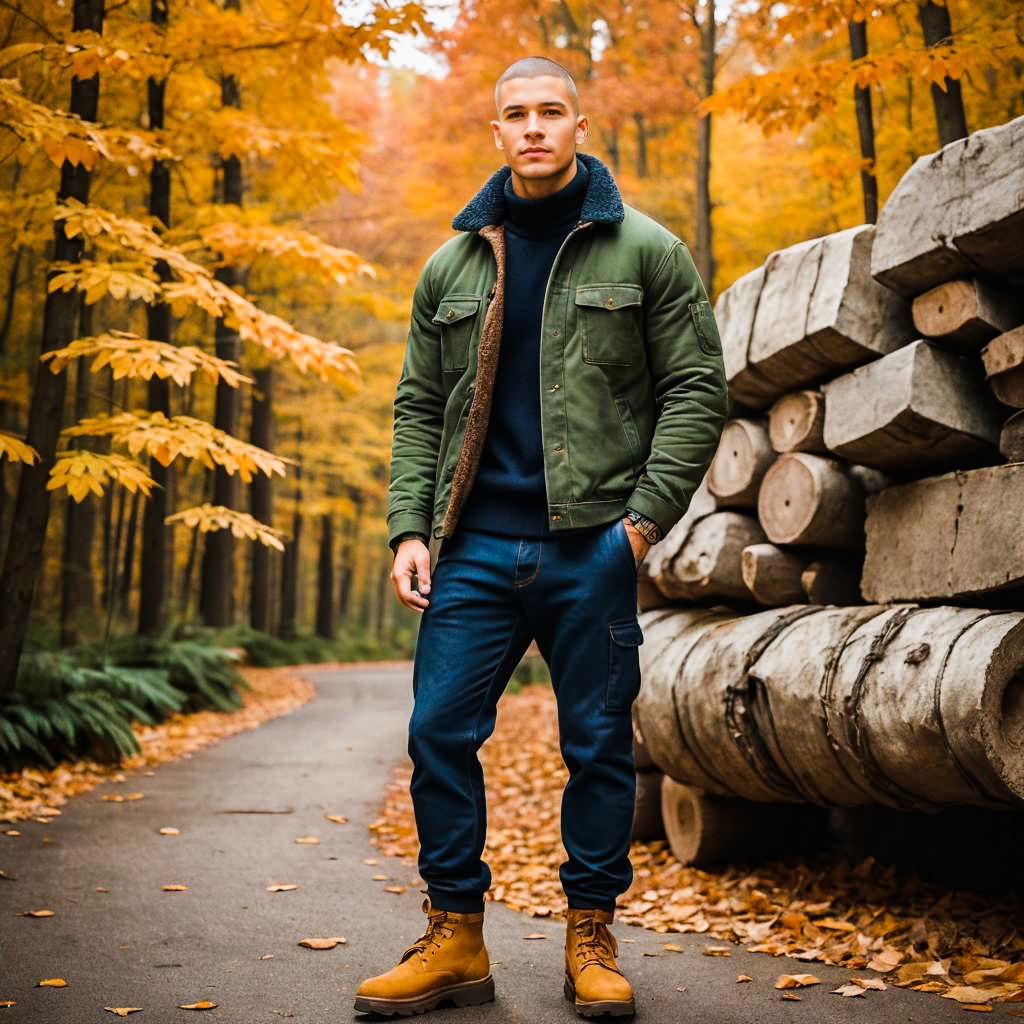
[{"x": 536, "y": 67}]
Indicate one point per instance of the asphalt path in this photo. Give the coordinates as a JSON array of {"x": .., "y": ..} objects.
[{"x": 239, "y": 806}]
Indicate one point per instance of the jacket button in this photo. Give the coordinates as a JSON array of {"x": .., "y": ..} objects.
[
  {"x": 557, "y": 448},
  {"x": 555, "y": 333},
  {"x": 451, "y": 312},
  {"x": 555, "y": 387},
  {"x": 611, "y": 302}
]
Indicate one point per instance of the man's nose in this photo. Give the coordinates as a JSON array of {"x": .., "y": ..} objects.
[{"x": 533, "y": 124}]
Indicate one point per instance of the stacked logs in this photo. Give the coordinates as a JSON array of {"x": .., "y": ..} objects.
[
  {"x": 862, "y": 364},
  {"x": 875, "y": 455}
]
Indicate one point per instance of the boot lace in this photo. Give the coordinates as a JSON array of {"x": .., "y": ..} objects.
[
  {"x": 595, "y": 944},
  {"x": 438, "y": 928}
]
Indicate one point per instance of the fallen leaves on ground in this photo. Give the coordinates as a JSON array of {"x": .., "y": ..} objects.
[
  {"x": 123, "y": 1011},
  {"x": 307, "y": 840},
  {"x": 175, "y": 887},
  {"x": 8, "y": 1002},
  {"x": 170, "y": 830},
  {"x": 35, "y": 913},
  {"x": 52, "y": 983},
  {"x": 33, "y": 792},
  {"x": 740, "y": 978},
  {"x": 329, "y": 943},
  {"x": 716, "y": 951},
  {"x": 673, "y": 948},
  {"x": 820, "y": 909},
  {"x": 338, "y": 819},
  {"x": 281, "y": 887},
  {"x": 849, "y": 991},
  {"x": 203, "y": 1004},
  {"x": 796, "y": 981}
]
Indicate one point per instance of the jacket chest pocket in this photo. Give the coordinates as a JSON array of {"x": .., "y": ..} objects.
[
  {"x": 456, "y": 315},
  {"x": 608, "y": 316}
]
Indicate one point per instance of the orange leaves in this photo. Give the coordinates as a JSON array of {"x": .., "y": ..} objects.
[
  {"x": 323, "y": 943},
  {"x": 83, "y": 472},
  {"x": 16, "y": 450},
  {"x": 207, "y": 517},
  {"x": 128, "y": 355},
  {"x": 166, "y": 438},
  {"x": 195, "y": 285}
]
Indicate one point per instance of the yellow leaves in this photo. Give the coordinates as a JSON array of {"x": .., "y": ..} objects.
[
  {"x": 35, "y": 913},
  {"x": 123, "y": 1011},
  {"x": 82, "y": 472},
  {"x": 847, "y": 991},
  {"x": 300, "y": 249},
  {"x": 209, "y": 517},
  {"x": 95, "y": 280},
  {"x": 10, "y": 54},
  {"x": 743, "y": 978},
  {"x": 174, "y": 887},
  {"x": 672, "y": 947},
  {"x": 397, "y": 889},
  {"x": 307, "y": 840},
  {"x": 52, "y": 983},
  {"x": 195, "y": 285},
  {"x": 338, "y": 819},
  {"x": 968, "y": 994},
  {"x": 16, "y": 450},
  {"x": 716, "y": 951},
  {"x": 203, "y": 1004},
  {"x": 323, "y": 943},
  {"x": 170, "y": 830},
  {"x": 165, "y": 439},
  {"x": 128, "y": 355},
  {"x": 281, "y": 887}
]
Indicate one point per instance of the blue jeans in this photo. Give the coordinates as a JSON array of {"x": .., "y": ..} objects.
[{"x": 490, "y": 596}]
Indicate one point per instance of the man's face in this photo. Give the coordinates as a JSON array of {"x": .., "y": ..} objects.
[{"x": 537, "y": 128}]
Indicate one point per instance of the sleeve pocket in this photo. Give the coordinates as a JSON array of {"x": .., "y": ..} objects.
[{"x": 707, "y": 330}]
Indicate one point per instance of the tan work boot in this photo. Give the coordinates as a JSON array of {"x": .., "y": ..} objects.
[
  {"x": 593, "y": 980},
  {"x": 449, "y": 961}
]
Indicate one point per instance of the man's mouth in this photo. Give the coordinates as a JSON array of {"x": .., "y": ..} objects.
[{"x": 533, "y": 150}]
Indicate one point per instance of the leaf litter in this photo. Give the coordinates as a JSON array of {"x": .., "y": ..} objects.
[{"x": 819, "y": 909}]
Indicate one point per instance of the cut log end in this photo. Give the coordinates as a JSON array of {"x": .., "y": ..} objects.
[
  {"x": 796, "y": 421},
  {"x": 743, "y": 457}
]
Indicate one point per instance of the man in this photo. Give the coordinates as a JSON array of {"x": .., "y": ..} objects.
[{"x": 561, "y": 398}]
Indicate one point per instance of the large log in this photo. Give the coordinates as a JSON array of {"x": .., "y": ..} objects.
[
  {"x": 1004, "y": 364},
  {"x": 662, "y": 553},
  {"x": 809, "y": 499},
  {"x": 965, "y": 314},
  {"x": 911, "y": 411},
  {"x": 734, "y": 314},
  {"x": 1011, "y": 438},
  {"x": 947, "y": 536},
  {"x": 796, "y": 422},
  {"x": 668, "y": 637},
  {"x": 742, "y": 459},
  {"x": 955, "y": 212},
  {"x": 709, "y": 563},
  {"x": 820, "y": 311},
  {"x": 905, "y": 706},
  {"x": 773, "y": 575}
]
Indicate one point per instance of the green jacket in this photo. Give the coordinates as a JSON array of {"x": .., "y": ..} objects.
[{"x": 633, "y": 393}]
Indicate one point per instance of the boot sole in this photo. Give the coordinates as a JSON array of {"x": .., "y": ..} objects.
[
  {"x": 599, "y": 1007},
  {"x": 466, "y": 993}
]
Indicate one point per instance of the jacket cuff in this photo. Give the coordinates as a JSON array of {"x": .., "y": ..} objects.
[
  {"x": 653, "y": 507},
  {"x": 407, "y": 522}
]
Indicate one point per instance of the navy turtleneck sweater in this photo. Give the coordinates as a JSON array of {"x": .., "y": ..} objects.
[{"x": 508, "y": 494}]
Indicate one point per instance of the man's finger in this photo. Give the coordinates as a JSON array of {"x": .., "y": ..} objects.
[
  {"x": 401, "y": 578},
  {"x": 423, "y": 570}
]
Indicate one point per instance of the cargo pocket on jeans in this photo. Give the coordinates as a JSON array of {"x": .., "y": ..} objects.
[{"x": 625, "y": 638}]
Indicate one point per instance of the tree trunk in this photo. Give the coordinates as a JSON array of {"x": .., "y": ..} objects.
[
  {"x": 641, "y": 146},
  {"x": 125, "y": 591},
  {"x": 950, "y": 119},
  {"x": 288, "y": 623},
  {"x": 154, "y": 555},
  {"x": 261, "y": 433},
  {"x": 346, "y": 564},
  {"x": 325, "y": 624},
  {"x": 217, "y": 587},
  {"x": 32, "y": 505},
  {"x": 704, "y": 255},
  {"x": 78, "y": 589},
  {"x": 865, "y": 125}
]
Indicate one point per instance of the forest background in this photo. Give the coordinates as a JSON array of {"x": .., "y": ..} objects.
[{"x": 214, "y": 215}]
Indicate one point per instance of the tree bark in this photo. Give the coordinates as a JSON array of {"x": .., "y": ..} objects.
[
  {"x": 154, "y": 554},
  {"x": 641, "y": 145},
  {"x": 261, "y": 434},
  {"x": 950, "y": 119},
  {"x": 127, "y": 576},
  {"x": 704, "y": 255},
  {"x": 78, "y": 589},
  {"x": 288, "y": 623},
  {"x": 32, "y": 505},
  {"x": 325, "y": 624},
  {"x": 865, "y": 125},
  {"x": 217, "y": 586}
]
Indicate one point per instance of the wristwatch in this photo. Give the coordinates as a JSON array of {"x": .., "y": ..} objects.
[{"x": 647, "y": 528}]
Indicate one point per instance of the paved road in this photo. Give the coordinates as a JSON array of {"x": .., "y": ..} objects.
[{"x": 239, "y": 806}]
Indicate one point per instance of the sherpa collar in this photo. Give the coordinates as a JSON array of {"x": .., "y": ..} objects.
[{"x": 602, "y": 204}]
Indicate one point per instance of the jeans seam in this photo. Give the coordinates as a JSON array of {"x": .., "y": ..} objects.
[{"x": 476, "y": 723}]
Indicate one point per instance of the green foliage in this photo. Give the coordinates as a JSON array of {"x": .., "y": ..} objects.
[
  {"x": 349, "y": 644},
  {"x": 80, "y": 703}
]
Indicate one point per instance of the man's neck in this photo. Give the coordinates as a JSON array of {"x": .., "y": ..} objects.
[{"x": 541, "y": 188}]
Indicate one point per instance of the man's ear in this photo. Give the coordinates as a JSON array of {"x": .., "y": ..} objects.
[
  {"x": 582, "y": 129},
  {"x": 496, "y": 128}
]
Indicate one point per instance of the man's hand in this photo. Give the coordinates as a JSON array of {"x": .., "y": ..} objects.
[
  {"x": 637, "y": 541},
  {"x": 411, "y": 557}
]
